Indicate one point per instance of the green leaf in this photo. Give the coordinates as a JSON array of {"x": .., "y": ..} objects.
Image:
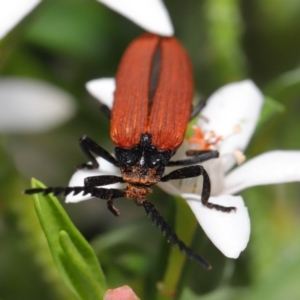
[
  {"x": 275, "y": 242},
  {"x": 73, "y": 256},
  {"x": 285, "y": 87}
]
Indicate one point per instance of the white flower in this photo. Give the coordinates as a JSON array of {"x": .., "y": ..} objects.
[
  {"x": 12, "y": 12},
  {"x": 232, "y": 114},
  {"x": 32, "y": 106},
  {"x": 233, "y": 106},
  {"x": 228, "y": 122},
  {"x": 29, "y": 105},
  {"x": 151, "y": 15}
]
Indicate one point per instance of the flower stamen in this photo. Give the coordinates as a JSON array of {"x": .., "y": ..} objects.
[
  {"x": 206, "y": 141},
  {"x": 239, "y": 156}
]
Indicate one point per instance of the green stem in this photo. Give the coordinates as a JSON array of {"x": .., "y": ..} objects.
[
  {"x": 185, "y": 225},
  {"x": 225, "y": 28}
]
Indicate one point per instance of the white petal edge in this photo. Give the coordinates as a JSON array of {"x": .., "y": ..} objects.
[
  {"x": 103, "y": 90},
  {"x": 234, "y": 106},
  {"x": 105, "y": 168},
  {"x": 32, "y": 106},
  {"x": 229, "y": 232},
  {"x": 151, "y": 15},
  {"x": 12, "y": 12},
  {"x": 268, "y": 168}
]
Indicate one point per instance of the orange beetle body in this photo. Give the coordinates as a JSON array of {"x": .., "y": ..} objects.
[{"x": 151, "y": 110}]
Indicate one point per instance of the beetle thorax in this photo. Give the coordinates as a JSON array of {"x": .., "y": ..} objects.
[{"x": 142, "y": 166}]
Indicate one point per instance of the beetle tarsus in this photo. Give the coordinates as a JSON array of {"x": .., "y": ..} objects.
[
  {"x": 206, "y": 194},
  {"x": 220, "y": 207}
]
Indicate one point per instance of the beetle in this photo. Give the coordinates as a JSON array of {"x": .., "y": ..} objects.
[{"x": 151, "y": 110}]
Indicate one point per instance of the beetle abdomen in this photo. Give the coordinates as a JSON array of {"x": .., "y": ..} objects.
[{"x": 154, "y": 89}]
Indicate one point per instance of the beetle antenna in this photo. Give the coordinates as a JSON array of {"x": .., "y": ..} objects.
[
  {"x": 167, "y": 231},
  {"x": 59, "y": 190}
]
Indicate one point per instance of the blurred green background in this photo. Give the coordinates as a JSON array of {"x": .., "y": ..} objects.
[{"x": 67, "y": 43}]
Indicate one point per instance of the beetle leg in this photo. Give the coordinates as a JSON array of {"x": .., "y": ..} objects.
[
  {"x": 186, "y": 172},
  {"x": 194, "y": 171},
  {"x": 193, "y": 152},
  {"x": 167, "y": 231},
  {"x": 201, "y": 157},
  {"x": 196, "y": 110},
  {"x": 88, "y": 146},
  {"x": 206, "y": 193},
  {"x": 102, "y": 180}
]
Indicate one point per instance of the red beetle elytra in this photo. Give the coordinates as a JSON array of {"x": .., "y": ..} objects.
[{"x": 151, "y": 110}]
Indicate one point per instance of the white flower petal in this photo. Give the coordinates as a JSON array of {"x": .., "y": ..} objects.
[
  {"x": 12, "y": 12},
  {"x": 151, "y": 15},
  {"x": 105, "y": 168},
  {"x": 32, "y": 106},
  {"x": 229, "y": 232},
  {"x": 268, "y": 168},
  {"x": 103, "y": 90},
  {"x": 235, "y": 106}
]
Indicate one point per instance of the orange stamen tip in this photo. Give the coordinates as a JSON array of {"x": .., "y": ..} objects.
[{"x": 205, "y": 141}]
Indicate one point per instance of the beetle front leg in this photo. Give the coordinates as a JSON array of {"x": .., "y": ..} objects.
[
  {"x": 88, "y": 146},
  {"x": 102, "y": 180}
]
